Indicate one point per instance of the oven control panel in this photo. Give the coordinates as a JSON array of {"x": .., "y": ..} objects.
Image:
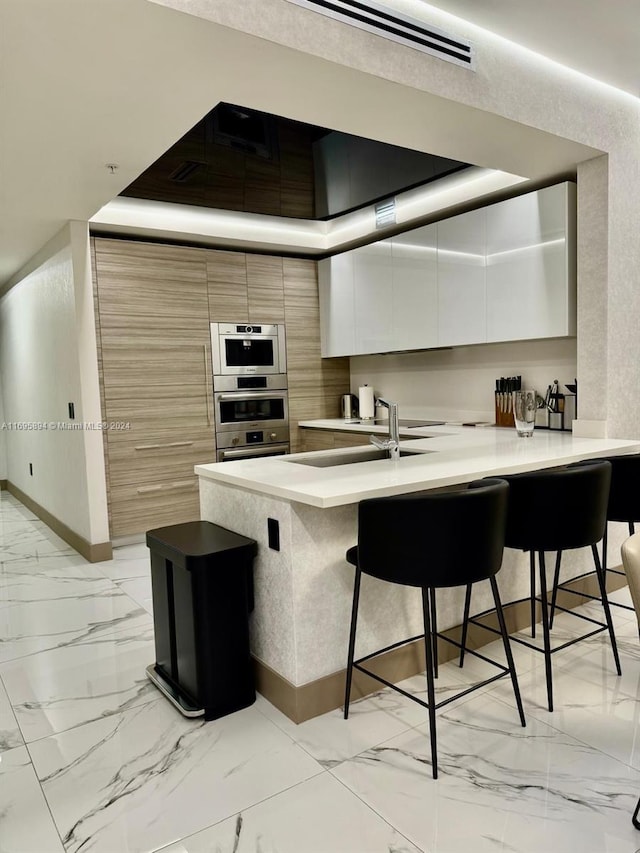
[{"x": 243, "y": 438}]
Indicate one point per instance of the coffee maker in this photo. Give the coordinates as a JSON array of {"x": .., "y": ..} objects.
[{"x": 349, "y": 407}]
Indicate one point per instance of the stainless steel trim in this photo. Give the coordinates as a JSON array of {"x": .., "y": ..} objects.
[
  {"x": 206, "y": 384},
  {"x": 254, "y": 451},
  {"x": 248, "y": 395},
  {"x": 273, "y": 382},
  {"x": 238, "y": 438},
  {"x": 166, "y": 487},
  {"x": 159, "y": 446},
  {"x": 172, "y": 695}
]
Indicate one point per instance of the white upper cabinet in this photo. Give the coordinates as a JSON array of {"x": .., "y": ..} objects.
[
  {"x": 530, "y": 266},
  {"x": 501, "y": 273},
  {"x": 337, "y": 306},
  {"x": 415, "y": 289},
  {"x": 373, "y": 299},
  {"x": 461, "y": 280}
]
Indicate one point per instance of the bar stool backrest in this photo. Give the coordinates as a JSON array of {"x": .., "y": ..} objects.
[
  {"x": 631, "y": 562},
  {"x": 624, "y": 497},
  {"x": 560, "y": 508},
  {"x": 434, "y": 539}
]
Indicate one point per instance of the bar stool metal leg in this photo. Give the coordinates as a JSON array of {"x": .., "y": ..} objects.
[
  {"x": 507, "y": 648},
  {"x": 605, "y": 605},
  {"x": 634, "y": 819},
  {"x": 431, "y": 693},
  {"x": 465, "y": 622},
  {"x": 532, "y": 574},
  {"x": 352, "y": 640},
  {"x": 554, "y": 594},
  {"x": 434, "y": 630},
  {"x": 545, "y": 629}
]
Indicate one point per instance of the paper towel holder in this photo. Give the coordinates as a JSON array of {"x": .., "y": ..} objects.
[{"x": 367, "y": 403}]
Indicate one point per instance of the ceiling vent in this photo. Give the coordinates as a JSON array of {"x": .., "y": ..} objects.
[{"x": 392, "y": 25}]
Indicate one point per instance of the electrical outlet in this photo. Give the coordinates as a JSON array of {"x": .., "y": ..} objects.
[{"x": 273, "y": 530}]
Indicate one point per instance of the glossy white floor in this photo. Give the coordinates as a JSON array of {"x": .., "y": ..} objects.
[{"x": 95, "y": 759}]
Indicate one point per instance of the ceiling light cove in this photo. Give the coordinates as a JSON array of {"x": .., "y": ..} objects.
[{"x": 308, "y": 236}]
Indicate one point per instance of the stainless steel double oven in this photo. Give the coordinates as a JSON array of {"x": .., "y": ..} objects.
[{"x": 250, "y": 390}]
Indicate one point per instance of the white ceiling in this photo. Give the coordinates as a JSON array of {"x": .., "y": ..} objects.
[
  {"x": 600, "y": 38},
  {"x": 91, "y": 82}
]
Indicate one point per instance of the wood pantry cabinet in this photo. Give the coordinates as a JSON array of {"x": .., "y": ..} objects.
[
  {"x": 504, "y": 272},
  {"x": 154, "y": 304},
  {"x": 156, "y": 377}
]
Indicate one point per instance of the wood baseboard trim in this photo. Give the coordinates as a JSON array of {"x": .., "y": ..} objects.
[
  {"x": 326, "y": 694},
  {"x": 95, "y": 553},
  {"x": 3, "y": 485}
]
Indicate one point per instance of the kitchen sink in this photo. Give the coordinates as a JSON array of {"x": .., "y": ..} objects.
[
  {"x": 406, "y": 423},
  {"x": 330, "y": 460}
]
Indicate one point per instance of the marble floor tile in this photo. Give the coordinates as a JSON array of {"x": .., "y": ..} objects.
[
  {"x": 42, "y": 563},
  {"x": 61, "y": 688},
  {"x": 501, "y": 787},
  {"x": 26, "y": 825},
  {"x": 331, "y": 739},
  {"x": 71, "y": 582},
  {"x": 139, "y": 589},
  {"x": 123, "y": 570},
  {"x": 10, "y": 735},
  {"x": 30, "y": 627},
  {"x": 148, "y": 777},
  {"x": 318, "y": 816}
]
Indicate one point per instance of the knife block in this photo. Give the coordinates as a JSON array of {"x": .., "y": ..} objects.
[{"x": 504, "y": 410}]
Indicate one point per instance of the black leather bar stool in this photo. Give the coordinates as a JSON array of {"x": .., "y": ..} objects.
[
  {"x": 624, "y": 506},
  {"x": 416, "y": 540},
  {"x": 558, "y": 509}
]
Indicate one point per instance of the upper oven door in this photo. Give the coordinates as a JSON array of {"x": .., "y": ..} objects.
[
  {"x": 251, "y": 410},
  {"x": 246, "y": 349}
]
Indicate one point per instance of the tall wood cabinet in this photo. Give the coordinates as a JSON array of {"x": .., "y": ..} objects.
[
  {"x": 156, "y": 367},
  {"x": 154, "y": 304}
]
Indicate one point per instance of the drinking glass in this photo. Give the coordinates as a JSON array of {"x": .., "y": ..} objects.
[{"x": 524, "y": 412}]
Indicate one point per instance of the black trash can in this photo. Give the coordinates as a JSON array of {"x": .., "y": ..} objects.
[{"x": 202, "y": 584}]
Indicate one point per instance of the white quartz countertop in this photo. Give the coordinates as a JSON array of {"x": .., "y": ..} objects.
[{"x": 449, "y": 455}]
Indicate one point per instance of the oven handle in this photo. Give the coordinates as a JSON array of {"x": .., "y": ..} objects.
[
  {"x": 268, "y": 450},
  {"x": 250, "y": 395}
]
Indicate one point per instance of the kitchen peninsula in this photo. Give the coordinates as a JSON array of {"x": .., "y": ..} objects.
[{"x": 303, "y": 583}]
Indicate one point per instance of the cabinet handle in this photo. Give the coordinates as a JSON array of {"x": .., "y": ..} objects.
[
  {"x": 165, "y": 487},
  {"x": 158, "y": 446},
  {"x": 206, "y": 383}
]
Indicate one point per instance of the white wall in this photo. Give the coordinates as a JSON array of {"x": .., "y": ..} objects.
[
  {"x": 458, "y": 384},
  {"x": 3, "y": 441},
  {"x": 41, "y": 345}
]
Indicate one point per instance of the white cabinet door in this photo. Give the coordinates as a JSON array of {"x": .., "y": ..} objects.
[
  {"x": 337, "y": 306},
  {"x": 373, "y": 281},
  {"x": 461, "y": 280},
  {"x": 530, "y": 269},
  {"x": 415, "y": 289}
]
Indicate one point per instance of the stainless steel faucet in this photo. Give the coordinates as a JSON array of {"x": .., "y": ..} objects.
[{"x": 392, "y": 444}]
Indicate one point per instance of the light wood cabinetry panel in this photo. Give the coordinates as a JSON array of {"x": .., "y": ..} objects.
[
  {"x": 148, "y": 285},
  {"x": 141, "y": 507},
  {"x": 265, "y": 287},
  {"x": 315, "y": 385},
  {"x": 320, "y": 439},
  {"x": 227, "y": 287},
  {"x": 136, "y": 460},
  {"x": 152, "y": 305}
]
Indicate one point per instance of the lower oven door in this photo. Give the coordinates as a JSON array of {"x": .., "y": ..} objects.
[
  {"x": 228, "y": 454},
  {"x": 251, "y": 410}
]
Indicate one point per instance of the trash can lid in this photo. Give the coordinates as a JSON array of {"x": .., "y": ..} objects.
[{"x": 194, "y": 540}]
